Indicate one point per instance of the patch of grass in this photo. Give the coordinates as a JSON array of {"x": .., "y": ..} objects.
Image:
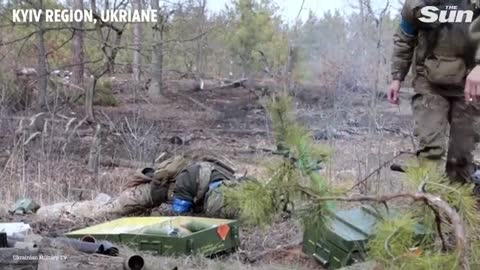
[
  {"x": 104, "y": 94},
  {"x": 14, "y": 96}
]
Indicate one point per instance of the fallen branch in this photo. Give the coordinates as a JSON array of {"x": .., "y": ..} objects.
[
  {"x": 438, "y": 222},
  {"x": 206, "y": 85},
  {"x": 231, "y": 84}
]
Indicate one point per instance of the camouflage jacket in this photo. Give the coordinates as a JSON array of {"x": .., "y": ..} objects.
[
  {"x": 434, "y": 39},
  {"x": 192, "y": 183}
]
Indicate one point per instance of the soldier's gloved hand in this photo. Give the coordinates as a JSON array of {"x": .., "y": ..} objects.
[
  {"x": 394, "y": 92},
  {"x": 472, "y": 86}
]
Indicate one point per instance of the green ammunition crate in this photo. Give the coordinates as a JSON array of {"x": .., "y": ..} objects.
[
  {"x": 214, "y": 236},
  {"x": 341, "y": 240}
]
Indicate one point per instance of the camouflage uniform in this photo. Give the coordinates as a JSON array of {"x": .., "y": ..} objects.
[
  {"x": 147, "y": 189},
  {"x": 199, "y": 184},
  {"x": 441, "y": 56}
]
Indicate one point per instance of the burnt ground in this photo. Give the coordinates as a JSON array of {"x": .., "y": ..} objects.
[{"x": 229, "y": 122}]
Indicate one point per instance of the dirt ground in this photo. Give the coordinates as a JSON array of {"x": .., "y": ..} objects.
[{"x": 228, "y": 122}]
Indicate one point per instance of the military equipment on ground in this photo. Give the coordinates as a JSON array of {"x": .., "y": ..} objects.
[
  {"x": 169, "y": 235},
  {"x": 24, "y": 206},
  {"x": 341, "y": 239},
  {"x": 135, "y": 262},
  {"x": 3, "y": 240}
]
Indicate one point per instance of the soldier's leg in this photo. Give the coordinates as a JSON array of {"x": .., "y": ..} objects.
[
  {"x": 431, "y": 123},
  {"x": 463, "y": 138}
]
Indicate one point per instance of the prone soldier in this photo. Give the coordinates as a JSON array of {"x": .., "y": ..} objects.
[{"x": 196, "y": 188}]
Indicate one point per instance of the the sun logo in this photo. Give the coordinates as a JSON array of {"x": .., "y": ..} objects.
[{"x": 450, "y": 14}]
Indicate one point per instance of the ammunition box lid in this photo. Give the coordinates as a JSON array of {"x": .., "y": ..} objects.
[
  {"x": 141, "y": 225},
  {"x": 355, "y": 224}
]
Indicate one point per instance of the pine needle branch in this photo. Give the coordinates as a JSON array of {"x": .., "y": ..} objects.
[{"x": 296, "y": 178}]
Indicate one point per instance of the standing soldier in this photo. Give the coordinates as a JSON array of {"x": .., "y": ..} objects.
[{"x": 434, "y": 39}]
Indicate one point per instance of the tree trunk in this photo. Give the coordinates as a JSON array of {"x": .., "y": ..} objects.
[
  {"x": 78, "y": 52},
  {"x": 89, "y": 94},
  {"x": 200, "y": 42},
  {"x": 137, "y": 39},
  {"x": 157, "y": 54},
  {"x": 42, "y": 62},
  {"x": 95, "y": 151}
]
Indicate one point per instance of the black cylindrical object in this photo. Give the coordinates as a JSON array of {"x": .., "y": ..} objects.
[
  {"x": 88, "y": 238},
  {"x": 3, "y": 240},
  {"x": 135, "y": 262}
]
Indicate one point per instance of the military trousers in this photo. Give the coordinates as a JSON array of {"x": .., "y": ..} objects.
[{"x": 446, "y": 126}]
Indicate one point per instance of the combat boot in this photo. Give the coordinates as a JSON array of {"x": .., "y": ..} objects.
[{"x": 419, "y": 162}]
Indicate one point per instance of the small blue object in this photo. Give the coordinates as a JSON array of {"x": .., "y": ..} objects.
[
  {"x": 408, "y": 28},
  {"x": 181, "y": 206},
  {"x": 476, "y": 177},
  {"x": 214, "y": 185}
]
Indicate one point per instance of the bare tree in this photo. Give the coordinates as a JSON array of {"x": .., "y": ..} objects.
[
  {"x": 293, "y": 50},
  {"x": 157, "y": 53},
  {"x": 201, "y": 41},
  {"x": 110, "y": 52},
  {"x": 78, "y": 51},
  {"x": 137, "y": 37},
  {"x": 378, "y": 20},
  {"x": 42, "y": 60}
]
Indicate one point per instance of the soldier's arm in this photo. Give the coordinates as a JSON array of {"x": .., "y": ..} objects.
[
  {"x": 404, "y": 42},
  {"x": 472, "y": 84}
]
